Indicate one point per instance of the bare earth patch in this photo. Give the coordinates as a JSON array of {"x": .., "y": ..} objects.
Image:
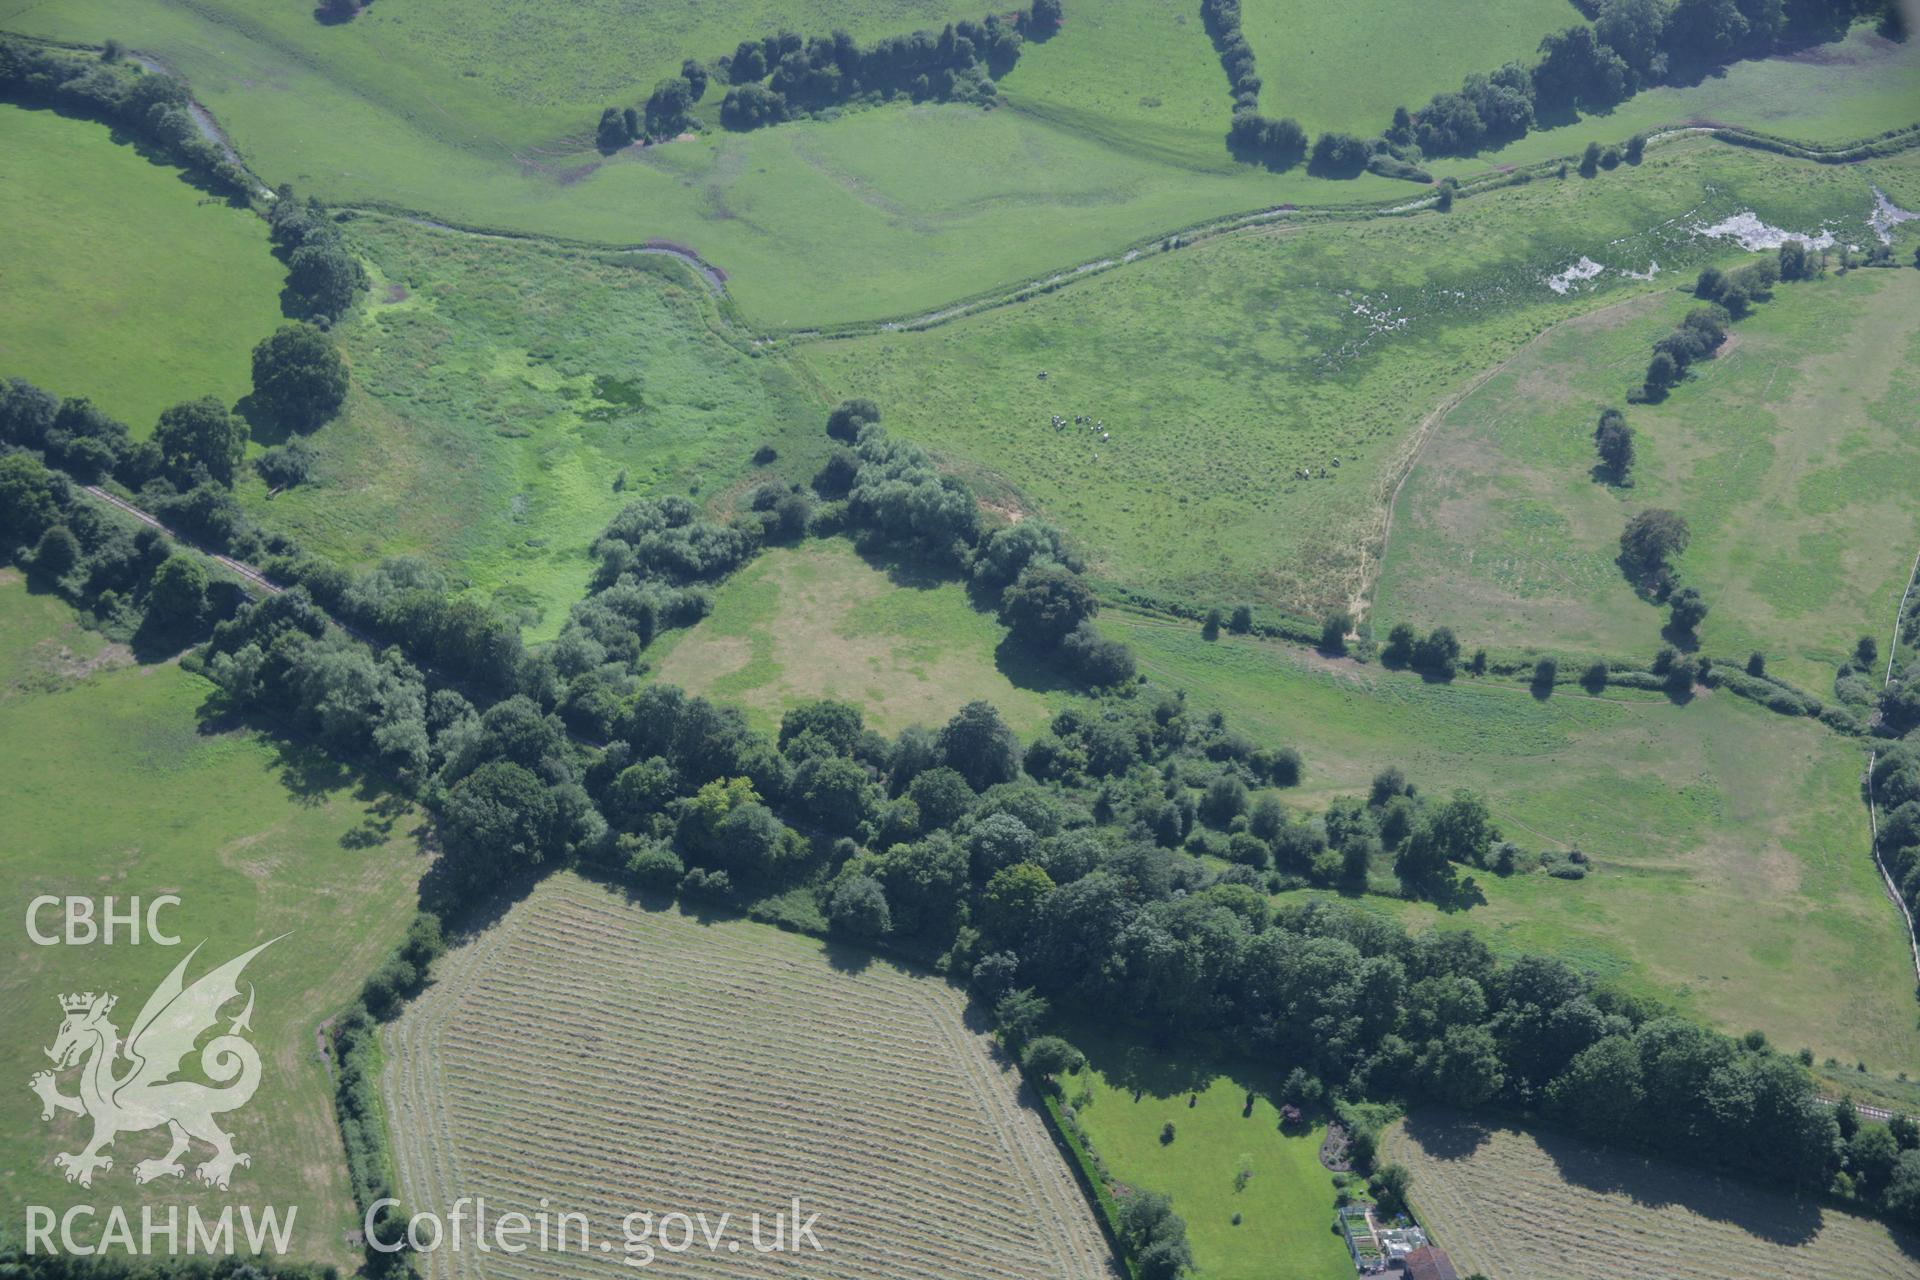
[{"x": 817, "y": 621}]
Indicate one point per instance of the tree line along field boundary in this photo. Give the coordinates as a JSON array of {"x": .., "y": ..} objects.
[
  {"x": 1873, "y": 758},
  {"x": 714, "y": 276},
  {"x": 1879, "y": 146},
  {"x": 1903, "y": 597}
]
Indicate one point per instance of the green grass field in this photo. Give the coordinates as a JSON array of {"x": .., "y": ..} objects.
[
  {"x": 817, "y": 621},
  {"x": 116, "y": 785},
  {"x": 878, "y": 214},
  {"x": 1348, "y": 66},
  {"x": 881, "y": 213},
  {"x": 1122, "y": 1100},
  {"x": 502, "y": 388},
  {"x": 1224, "y": 370},
  {"x": 530, "y": 81},
  {"x": 1837, "y": 92},
  {"x": 1731, "y": 876},
  {"x": 119, "y": 281},
  {"x": 1141, "y": 75},
  {"x": 1788, "y": 456}
]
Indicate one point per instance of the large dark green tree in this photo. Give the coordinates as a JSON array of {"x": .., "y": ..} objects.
[
  {"x": 30, "y": 497},
  {"x": 200, "y": 434},
  {"x": 833, "y": 793},
  {"x": 496, "y": 822},
  {"x": 669, "y": 108},
  {"x": 178, "y": 597},
  {"x": 1047, "y": 602},
  {"x": 978, "y": 746},
  {"x": 858, "y": 906},
  {"x": 299, "y": 378},
  {"x": 1650, "y": 541},
  {"x": 1613, "y": 441},
  {"x": 847, "y": 417},
  {"x": 326, "y": 277}
]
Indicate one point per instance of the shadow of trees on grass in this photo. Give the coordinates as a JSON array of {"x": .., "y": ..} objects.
[{"x": 1650, "y": 1182}]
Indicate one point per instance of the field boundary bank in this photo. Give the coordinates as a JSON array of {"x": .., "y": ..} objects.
[
  {"x": 710, "y": 275},
  {"x": 1077, "y": 1153},
  {"x": 1873, "y": 758},
  {"x": 1906, "y": 138}
]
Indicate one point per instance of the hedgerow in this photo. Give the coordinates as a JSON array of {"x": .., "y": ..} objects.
[{"x": 150, "y": 105}]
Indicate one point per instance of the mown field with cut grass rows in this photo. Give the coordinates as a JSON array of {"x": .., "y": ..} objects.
[
  {"x": 1514, "y": 1205},
  {"x": 613, "y": 1058}
]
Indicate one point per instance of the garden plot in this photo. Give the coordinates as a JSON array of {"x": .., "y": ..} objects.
[{"x": 653, "y": 1062}]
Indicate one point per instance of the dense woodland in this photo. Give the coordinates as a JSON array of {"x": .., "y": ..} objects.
[{"x": 1122, "y": 859}]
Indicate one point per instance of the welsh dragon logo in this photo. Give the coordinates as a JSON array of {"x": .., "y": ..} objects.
[{"x": 145, "y": 1096}]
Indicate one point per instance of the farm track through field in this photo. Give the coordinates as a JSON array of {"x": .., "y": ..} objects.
[
  {"x": 614, "y": 1059},
  {"x": 1374, "y": 551}
]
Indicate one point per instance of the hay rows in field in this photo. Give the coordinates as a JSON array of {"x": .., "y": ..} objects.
[
  {"x": 1517, "y": 1207},
  {"x": 613, "y": 1059}
]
